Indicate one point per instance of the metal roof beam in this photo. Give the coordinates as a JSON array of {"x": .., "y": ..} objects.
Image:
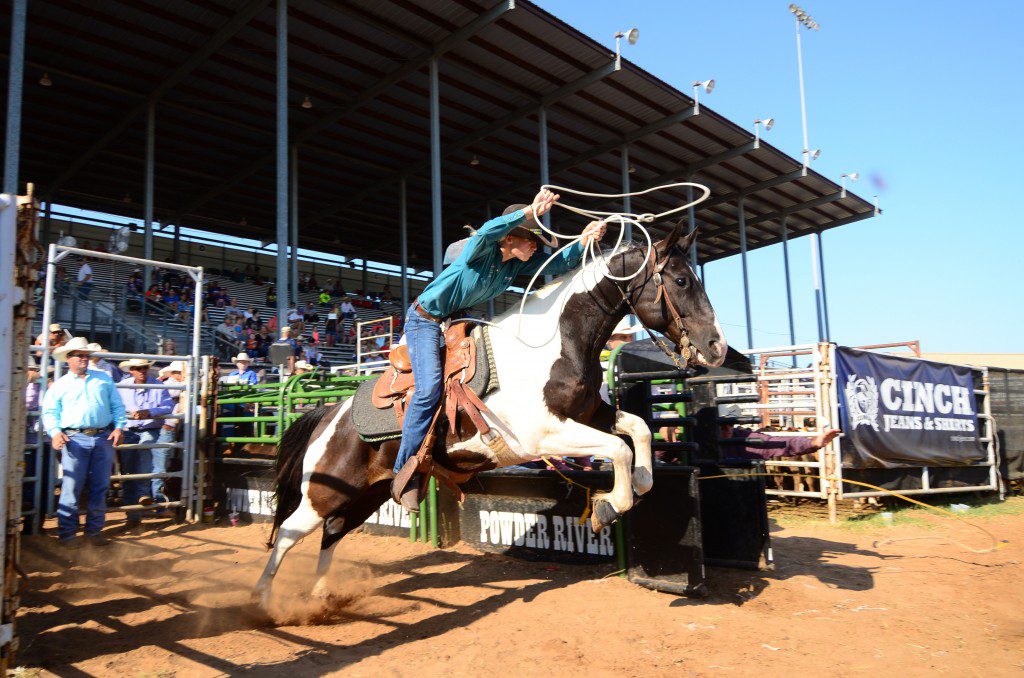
[
  {"x": 475, "y": 137},
  {"x": 786, "y": 211},
  {"x": 366, "y": 96},
  {"x": 198, "y": 58},
  {"x": 860, "y": 216},
  {"x": 754, "y": 188}
]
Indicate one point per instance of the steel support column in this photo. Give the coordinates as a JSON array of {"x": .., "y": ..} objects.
[
  {"x": 293, "y": 268},
  {"x": 403, "y": 243},
  {"x": 817, "y": 289},
  {"x": 789, "y": 292},
  {"x": 545, "y": 176},
  {"x": 693, "y": 224},
  {"x": 743, "y": 258},
  {"x": 627, "y": 201},
  {"x": 824, "y": 287},
  {"x": 147, "y": 247},
  {"x": 490, "y": 302},
  {"x": 435, "y": 168},
  {"x": 15, "y": 76},
  {"x": 176, "y": 248},
  {"x": 282, "y": 162}
]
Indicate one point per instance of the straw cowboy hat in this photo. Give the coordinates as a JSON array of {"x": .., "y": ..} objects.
[
  {"x": 74, "y": 344},
  {"x": 623, "y": 327},
  {"x": 242, "y": 357},
  {"x": 126, "y": 365},
  {"x": 303, "y": 365},
  {"x": 55, "y": 327},
  {"x": 176, "y": 366},
  {"x": 93, "y": 346}
]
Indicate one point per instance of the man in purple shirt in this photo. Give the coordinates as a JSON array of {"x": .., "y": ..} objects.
[
  {"x": 145, "y": 408},
  {"x": 742, "y": 443}
]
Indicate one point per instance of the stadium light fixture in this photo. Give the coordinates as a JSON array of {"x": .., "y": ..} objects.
[
  {"x": 707, "y": 85},
  {"x": 768, "y": 123},
  {"x": 631, "y": 36},
  {"x": 45, "y": 80},
  {"x": 852, "y": 176},
  {"x": 306, "y": 103},
  {"x": 475, "y": 161}
]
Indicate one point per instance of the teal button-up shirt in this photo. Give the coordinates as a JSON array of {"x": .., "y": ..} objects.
[
  {"x": 479, "y": 274},
  {"x": 82, "y": 402}
]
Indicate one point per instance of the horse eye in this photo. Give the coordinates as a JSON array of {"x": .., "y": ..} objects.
[{"x": 683, "y": 282}]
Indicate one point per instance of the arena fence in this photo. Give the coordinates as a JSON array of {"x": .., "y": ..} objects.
[
  {"x": 44, "y": 476},
  {"x": 803, "y": 401}
]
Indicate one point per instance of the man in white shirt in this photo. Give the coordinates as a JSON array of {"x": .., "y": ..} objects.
[
  {"x": 84, "y": 280},
  {"x": 347, "y": 309}
]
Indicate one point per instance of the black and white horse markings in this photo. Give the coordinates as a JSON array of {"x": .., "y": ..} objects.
[{"x": 548, "y": 402}]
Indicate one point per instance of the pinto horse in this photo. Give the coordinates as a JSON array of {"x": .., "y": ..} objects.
[{"x": 548, "y": 401}]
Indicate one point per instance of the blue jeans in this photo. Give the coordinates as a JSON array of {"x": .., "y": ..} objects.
[
  {"x": 161, "y": 457},
  {"x": 84, "y": 290},
  {"x": 424, "y": 339},
  {"x": 86, "y": 461},
  {"x": 137, "y": 461}
]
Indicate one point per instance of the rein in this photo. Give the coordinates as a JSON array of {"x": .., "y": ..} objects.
[{"x": 677, "y": 319}]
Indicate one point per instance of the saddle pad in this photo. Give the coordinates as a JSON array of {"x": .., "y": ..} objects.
[{"x": 376, "y": 425}]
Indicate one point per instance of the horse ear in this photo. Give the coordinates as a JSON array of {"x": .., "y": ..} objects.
[
  {"x": 689, "y": 240},
  {"x": 666, "y": 245}
]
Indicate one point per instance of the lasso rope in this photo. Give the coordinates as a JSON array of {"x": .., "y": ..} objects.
[{"x": 593, "y": 251}]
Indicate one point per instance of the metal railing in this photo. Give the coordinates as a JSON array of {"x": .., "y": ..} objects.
[{"x": 188, "y": 500}]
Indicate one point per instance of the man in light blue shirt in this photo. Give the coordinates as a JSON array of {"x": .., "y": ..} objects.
[
  {"x": 500, "y": 251},
  {"x": 85, "y": 419},
  {"x": 145, "y": 410}
]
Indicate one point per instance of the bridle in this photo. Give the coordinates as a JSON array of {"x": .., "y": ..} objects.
[{"x": 683, "y": 343}]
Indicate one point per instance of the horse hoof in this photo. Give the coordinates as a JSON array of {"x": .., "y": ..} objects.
[
  {"x": 642, "y": 481},
  {"x": 602, "y": 515},
  {"x": 260, "y": 599},
  {"x": 320, "y": 593}
]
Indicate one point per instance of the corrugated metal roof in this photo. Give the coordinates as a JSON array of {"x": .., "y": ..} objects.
[{"x": 215, "y": 127}]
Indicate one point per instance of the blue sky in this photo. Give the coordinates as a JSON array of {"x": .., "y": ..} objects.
[{"x": 928, "y": 97}]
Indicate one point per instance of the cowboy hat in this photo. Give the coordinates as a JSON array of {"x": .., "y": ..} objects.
[
  {"x": 93, "y": 346},
  {"x": 732, "y": 411},
  {"x": 532, "y": 231},
  {"x": 126, "y": 365},
  {"x": 176, "y": 366},
  {"x": 242, "y": 357},
  {"x": 303, "y": 365},
  {"x": 623, "y": 327},
  {"x": 54, "y": 327},
  {"x": 74, "y": 344}
]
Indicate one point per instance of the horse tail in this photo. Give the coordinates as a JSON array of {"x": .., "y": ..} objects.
[{"x": 290, "y": 454}]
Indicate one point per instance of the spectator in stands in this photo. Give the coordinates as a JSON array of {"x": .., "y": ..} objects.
[
  {"x": 286, "y": 338},
  {"x": 311, "y": 353},
  {"x": 272, "y": 324},
  {"x": 133, "y": 290},
  {"x": 153, "y": 294},
  {"x": 145, "y": 409},
  {"x": 331, "y": 327},
  {"x": 243, "y": 373},
  {"x": 309, "y": 313},
  {"x": 85, "y": 280},
  {"x": 302, "y": 367},
  {"x": 63, "y": 288},
  {"x": 265, "y": 340},
  {"x": 225, "y": 328},
  {"x": 303, "y": 281},
  {"x": 247, "y": 317},
  {"x": 337, "y": 289},
  {"x": 385, "y": 294},
  {"x": 167, "y": 347},
  {"x": 171, "y": 299},
  {"x": 312, "y": 282},
  {"x": 348, "y": 311},
  {"x": 256, "y": 319},
  {"x": 248, "y": 271},
  {"x": 232, "y": 307},
  {"x": 325, "y": 298},
  {"x": 85, "y": 418},
  {"x": 237, "y": 276},
  {"x": 103, "y": 365},
  {"x": 58, "y": 336},
  {"x": 271, "y": 296}
]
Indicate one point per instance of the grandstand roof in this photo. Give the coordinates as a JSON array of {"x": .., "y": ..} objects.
[{"x": 209, "y": 67}]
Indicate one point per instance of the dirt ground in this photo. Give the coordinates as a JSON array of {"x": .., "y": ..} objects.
[{"x": 173, "y": 601}]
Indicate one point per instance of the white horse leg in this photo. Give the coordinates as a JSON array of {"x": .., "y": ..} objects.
[
  {"x": 573, "y": 439},
  {"x": 295, "y": 527},
  {"x": 323, "y": 566},
  {"x": 637, "y": 429}
]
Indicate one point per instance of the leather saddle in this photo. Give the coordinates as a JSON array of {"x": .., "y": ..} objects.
[{"x": 396, "y": 385}]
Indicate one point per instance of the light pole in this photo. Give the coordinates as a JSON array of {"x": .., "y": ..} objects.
[{"x": 803, "y": 18}]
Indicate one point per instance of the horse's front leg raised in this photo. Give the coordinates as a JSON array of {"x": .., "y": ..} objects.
[
  {"x": 572, "y": 439},
  {"x": 637, "y": 429}
]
